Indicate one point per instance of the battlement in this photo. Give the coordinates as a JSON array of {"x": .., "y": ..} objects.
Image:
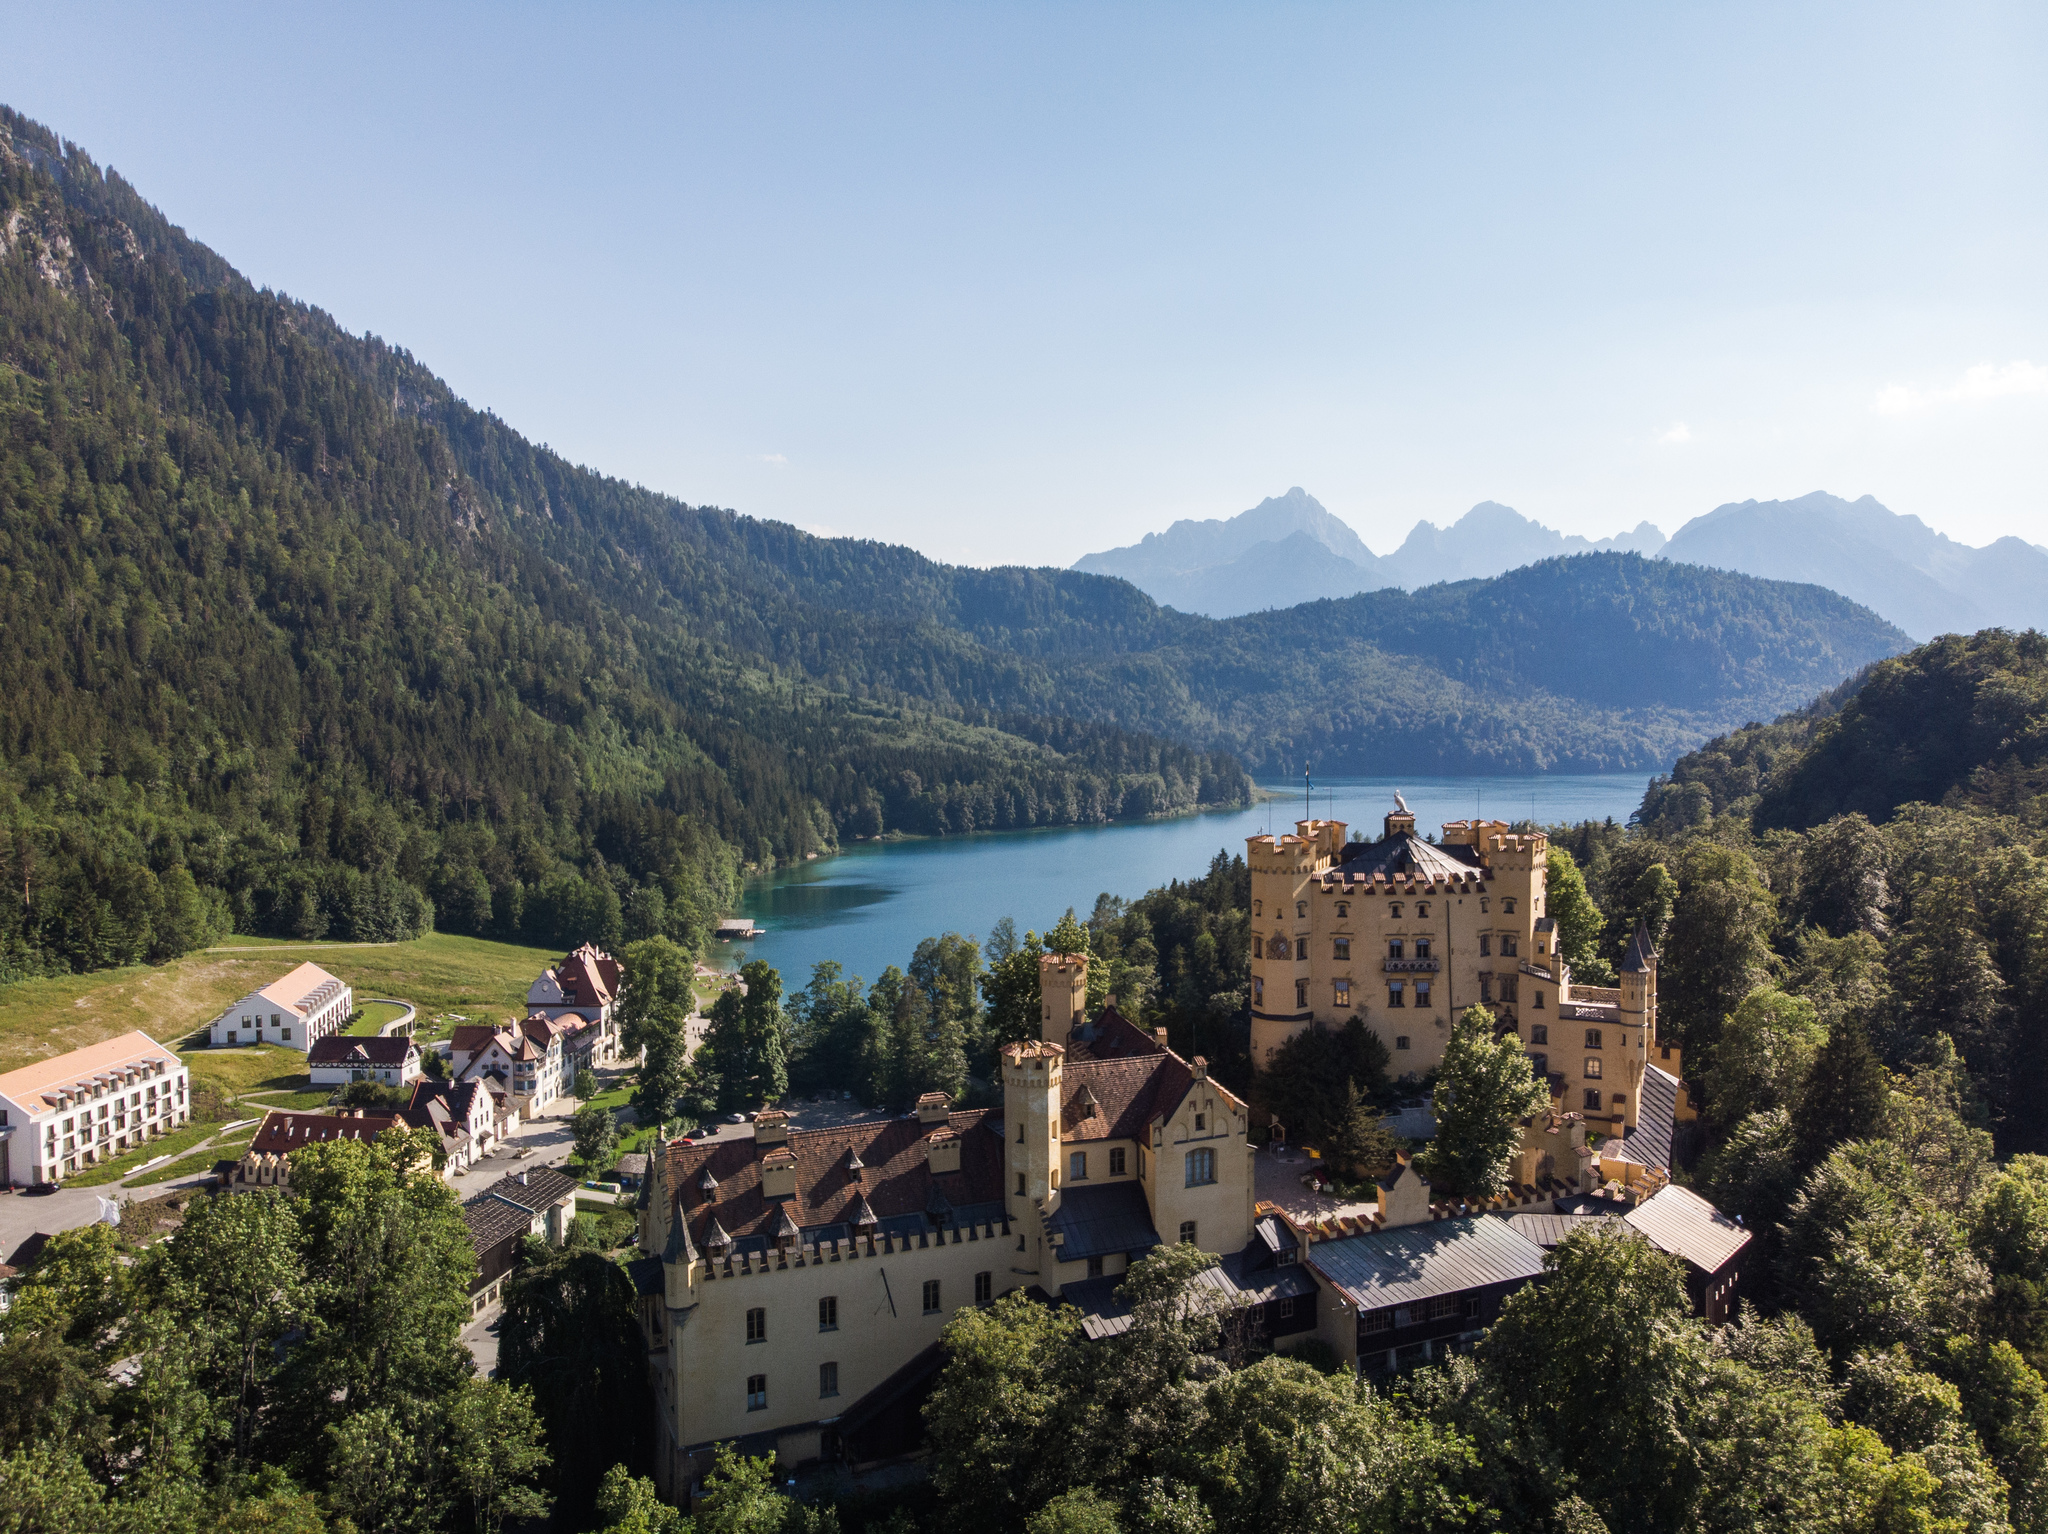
[
  {"x": 849, "y": 1249},
  {"x": 1034, "y": 1055}
]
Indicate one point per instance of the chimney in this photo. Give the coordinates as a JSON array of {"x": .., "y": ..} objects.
[
  {"x": 1159, "y": 1037},
  {"x": 1199, "y": 1068},
  {"x": 933, "y": 1107},
  {"x": 771, "y": 1127},
  {"x": 942, "y": 1152},
  {"x": 778, "y": 1174}
]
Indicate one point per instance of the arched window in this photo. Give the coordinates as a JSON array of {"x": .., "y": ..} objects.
[
  {"x": 1201, "y": 1167},
  {"x": 1258, "y": 908}
]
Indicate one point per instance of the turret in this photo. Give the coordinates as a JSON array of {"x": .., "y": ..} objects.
[
  {"x": 1063, "y": 995},
  {"x": 1033, "y": 1074}
]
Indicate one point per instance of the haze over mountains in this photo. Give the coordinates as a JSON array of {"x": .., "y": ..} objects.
[{"x": 1290, "y": 549}]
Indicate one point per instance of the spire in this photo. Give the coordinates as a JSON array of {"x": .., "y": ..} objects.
[
  {"x": 862, "y": 1214},
  {"x": 1642, "y": 954},
  {"x": 707, "y": 1184}
]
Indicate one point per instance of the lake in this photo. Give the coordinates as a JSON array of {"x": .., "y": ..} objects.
[{"x": 870, "y": 906}]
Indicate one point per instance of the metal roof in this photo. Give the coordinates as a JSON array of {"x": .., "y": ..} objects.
[
  {"x": 1649, "y": 1143},
  {"x": 1549, "y": 1230},
  {"x": 1098, "y": 1221},
  {"x": 1416, "y": 1262},
  {"x": 1686, "y": 1225},
  {"x": 1104, "y": 1314}
]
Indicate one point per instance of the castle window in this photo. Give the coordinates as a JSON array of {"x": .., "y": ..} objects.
[
  {"x": 931, "y": 1296},
  {"x": 984, "y": 1288},
  {"x": 1187, "y": 1232},
  {"x": 757, "y": 1392},
  {"x": 1537, "y": 1004},
  {"x": 1422, "y": 993},
  {"x": 1077, "y": 1167},
  {"x": 1201, "y": 1168},
  {"x": 1301, "y": 908},
  {"x": 1667, "y": 1051},
  {"x": 1258, "y": 991},
  {"x": 1422, "y": 946},
  {"x": 1394, "y": 909},
  {"x": 1258, "y": 948},
  {"x": 1340, "y": 948},
  {"x": 1592, "y": 1067},
  {"x": 1116, "y": 1162},
  {"x": 828, "y": 1313},
  {"x": 1201, "y": 1121},
  {"x": 1592, "y": 1038},
  {"x": 1421, "y": 910},
  {"x": 1020, "y": 1185},
  {"x": 1394, "y": 989},
  {"x": 1343, "y": 908},
  {"x": 1394, "y": 948},
  {"x": 1095, "y": 1267},
  {"x": 1485, "y": 989},
  {"x": 1510, "y": 988},
  {"x": 1507, "y": 945},
  {"x": 1484, "y": 903},
  {"x": 1486, "y": 945},
  {"x": 1342, "y": 988},
  {"x": 1592, "y": 1099},
  {"x": 1258, "y": 908},
  {"x": 1507, "y": 904},
  {"x": 1539, "y": 1033},
  {"x": 1539, "y": 1065},
  {"x": 757, "y": 1325},
  {"x": 828, "y": 1380},
  {"x": 1020, "y": 1131},
  {"x": 1300, "y": 995}
]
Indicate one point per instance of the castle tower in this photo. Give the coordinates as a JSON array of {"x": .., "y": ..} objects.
[
  {"x": 1032, "y": 1076},
  {"x": 1063, "y": 995},
  {"x": 1284, "y": 873},
  {"x": 1638, "y": 1011}
]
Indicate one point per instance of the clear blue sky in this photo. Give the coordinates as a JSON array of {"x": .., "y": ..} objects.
[{"x": 1014, "y": 283}]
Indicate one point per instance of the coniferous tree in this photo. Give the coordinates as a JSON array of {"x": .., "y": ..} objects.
[{"x": 1845, "y": 1094}]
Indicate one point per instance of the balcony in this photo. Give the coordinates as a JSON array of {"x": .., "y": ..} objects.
[
  {"x": 1538, "y": 971},
  {"x": 1409, "y": 966}
]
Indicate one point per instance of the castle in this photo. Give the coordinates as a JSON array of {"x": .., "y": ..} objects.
[
  {"x": 796, "y": 1282},
  {"x": 1404, "y": 934}
]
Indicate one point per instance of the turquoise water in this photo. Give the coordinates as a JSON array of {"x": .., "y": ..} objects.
[{"x": 871, "y": 905}]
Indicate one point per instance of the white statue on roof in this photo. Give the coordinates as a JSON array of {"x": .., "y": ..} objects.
[{"x": 1400, "y": 803}]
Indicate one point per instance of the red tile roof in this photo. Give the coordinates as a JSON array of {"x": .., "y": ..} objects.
[
  {"x": 893, "y": 1176},
  {"x": 284, "y": 1131}
]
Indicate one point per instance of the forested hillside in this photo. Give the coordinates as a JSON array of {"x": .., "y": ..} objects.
[
  {"x": 301, "y": 643},
  {"x": 276, "y": 661}
]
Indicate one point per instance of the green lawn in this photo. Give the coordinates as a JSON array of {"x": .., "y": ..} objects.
[
  {"x": 318, "y": 1097},
  {"x": 192, "y": 1166},
  {"x": 375, "y": 1014},
  {"x": 113, "y": 1171},
  {"x": 440, "y": 974},
  {"x": 244, "y": 1069}
]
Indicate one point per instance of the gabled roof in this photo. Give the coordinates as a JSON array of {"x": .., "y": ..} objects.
[
  {"x": 284, "y": 1131},
  {"x": 1128, "y": 1095},
  {"x": 1418, "y": 1262},
  {"x": 895, "y": 1180},
  {"x": 1686, "y": 1225},
  {"x": 345, "y": 1049},
  {"x": 474, "y": 1038},
  {"x": 303, "y": 990},
  {"x": 1096, "y": 1221},
  {"x": 1550, "y": 1230},
  {"x": 81, "y": 1066},
  {"x": 1112, "y": 1036}
]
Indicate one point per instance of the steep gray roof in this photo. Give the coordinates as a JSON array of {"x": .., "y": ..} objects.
[
  {"x": 1641, "y": 953},
  {"x": 1649, "y": 1143},
  {"x": 1101, "y": 1220},
  {"x": 1686, "y": 1225},
  {"x": 1404, "y": 853},
  {"x": 1417, "y": 1262}
]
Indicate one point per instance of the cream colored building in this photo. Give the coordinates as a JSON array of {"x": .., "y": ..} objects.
[
  {"x": 76, "y": 1110},
  {"x": 1404, "y": 934},
  {"x": 298, "y": 1009},
  {"x": 798, "y": 1281}
]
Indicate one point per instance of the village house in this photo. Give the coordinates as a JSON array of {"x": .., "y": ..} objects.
[
  {"x": 469, "y": 1117},
  {"x": 339, "y": 1059},
  {"x": 75, "y": 1110},
  {"x": 529, "y": 1058},
  {"x": 538, "y": 1202},
  {"x": 264, "y": 1163},
  {"x": 581, "y": 992},
  {"x": 299, "y": 1009}
]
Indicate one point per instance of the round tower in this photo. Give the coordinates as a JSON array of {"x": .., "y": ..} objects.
[
  {"x": 1033, "y": 1073},
  {"x": 1062, "y": 994}
]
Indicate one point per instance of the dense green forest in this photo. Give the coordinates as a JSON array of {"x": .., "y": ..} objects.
[
  {"x": 303, "y": 644},
  {"x": 272, "y": 667}
]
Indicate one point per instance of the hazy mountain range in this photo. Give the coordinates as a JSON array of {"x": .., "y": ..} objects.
[{"x": 1289, "y": 549}]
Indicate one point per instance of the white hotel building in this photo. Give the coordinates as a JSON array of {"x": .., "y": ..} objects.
[
  {"x": 62, "y": 1115},
  {"x": 300, "y": 1010}
]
